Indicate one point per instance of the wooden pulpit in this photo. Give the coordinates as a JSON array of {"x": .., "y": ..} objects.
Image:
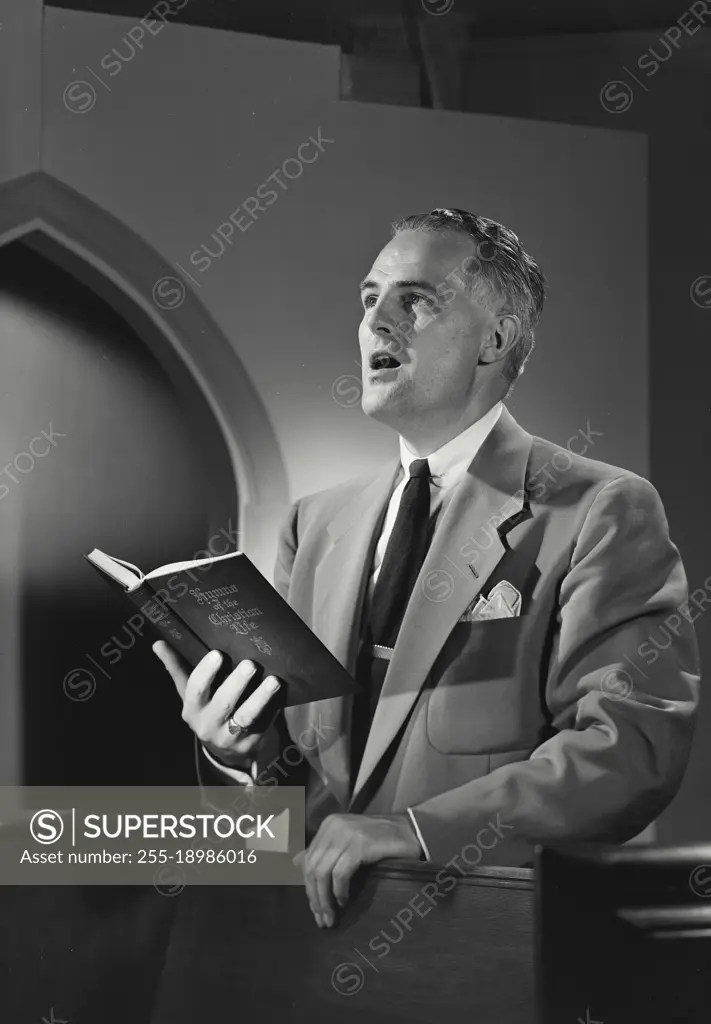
[{"x": 415, "y": 944}]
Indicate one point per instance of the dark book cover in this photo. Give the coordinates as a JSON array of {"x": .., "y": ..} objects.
[{"x": 228, "y": 605}]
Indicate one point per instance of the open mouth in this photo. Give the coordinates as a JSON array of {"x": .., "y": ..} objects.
[{"x": 383, "y": 361}]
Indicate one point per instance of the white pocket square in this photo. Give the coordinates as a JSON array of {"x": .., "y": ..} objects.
[{"x": 503, "y": 602}]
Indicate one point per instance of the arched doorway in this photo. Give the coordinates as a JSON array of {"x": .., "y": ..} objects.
[
  {"x": 99, "y": 450},
  {"x": 164, "y": 437}
]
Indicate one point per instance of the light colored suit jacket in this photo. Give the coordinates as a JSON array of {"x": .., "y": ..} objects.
[{"x": 571, "y": 721}]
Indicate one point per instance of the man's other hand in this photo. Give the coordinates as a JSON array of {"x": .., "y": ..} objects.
[{"x": 342, "y": 844}]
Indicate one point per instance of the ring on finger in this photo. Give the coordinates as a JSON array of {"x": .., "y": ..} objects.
[{"x": 236, "y": 728}]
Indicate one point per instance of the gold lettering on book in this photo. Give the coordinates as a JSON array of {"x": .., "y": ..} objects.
[
  {"x": 239, "y": 620},
  {"x": 225, "y": 611},
  {"x": 213, "y": 596}
]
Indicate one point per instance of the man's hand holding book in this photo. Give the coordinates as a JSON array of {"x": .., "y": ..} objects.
[{"x": 230, "y": 731}]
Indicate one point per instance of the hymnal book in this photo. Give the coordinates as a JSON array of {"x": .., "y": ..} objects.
[{"x": 225, "y": 603}]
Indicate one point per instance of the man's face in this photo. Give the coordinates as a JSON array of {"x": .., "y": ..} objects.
[{"x": 421, "y": 332}]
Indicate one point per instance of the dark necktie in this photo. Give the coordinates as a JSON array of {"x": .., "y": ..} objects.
[
  {"x": 404, "y": 555},
  {"x": 403, "y": 558}
]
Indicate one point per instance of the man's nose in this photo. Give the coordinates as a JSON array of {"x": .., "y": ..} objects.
[
  {"x": 382, "y": 327},
  {"x": 380, "y": 317},
  {"x": 388, "y": 335}
]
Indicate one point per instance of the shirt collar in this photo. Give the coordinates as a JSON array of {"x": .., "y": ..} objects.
[{"x": 449, "y": 463}]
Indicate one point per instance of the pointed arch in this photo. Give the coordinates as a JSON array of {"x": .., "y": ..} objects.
[{"x": 125, "y": 270}]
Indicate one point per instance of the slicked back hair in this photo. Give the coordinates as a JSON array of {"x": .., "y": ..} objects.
[{"x": 500, "y": 264}]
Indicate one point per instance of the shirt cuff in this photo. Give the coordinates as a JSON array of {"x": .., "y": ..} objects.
[
  {"x": 241, "y": 777},
  {"x": 423, "y": 844}
]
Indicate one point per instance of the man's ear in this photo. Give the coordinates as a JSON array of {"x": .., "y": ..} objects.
[{"x": 501, "y": 339}]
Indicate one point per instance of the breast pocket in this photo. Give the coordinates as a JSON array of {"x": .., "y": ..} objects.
[{"x": 484, "y": 699}]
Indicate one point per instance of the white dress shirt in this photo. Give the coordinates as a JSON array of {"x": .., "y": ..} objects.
[{"x": 447, "y": 465}]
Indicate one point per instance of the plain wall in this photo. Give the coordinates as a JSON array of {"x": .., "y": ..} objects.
[{"x": 20, "y": 87}]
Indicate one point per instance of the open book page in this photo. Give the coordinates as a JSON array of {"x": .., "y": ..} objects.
[
  {"x": 165, "y": 570},
  {"x": 123, "y": 572},
  {"x": 131, "y": 577}
]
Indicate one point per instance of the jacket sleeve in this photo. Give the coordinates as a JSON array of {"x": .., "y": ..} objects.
[
  {"x": 286, "y": 551},
  {"x": 622, "y": 691}
]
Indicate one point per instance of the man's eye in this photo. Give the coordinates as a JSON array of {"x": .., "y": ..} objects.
[
  {"x": 369, "y": 301},
  {"x": 415, "y": 298}
]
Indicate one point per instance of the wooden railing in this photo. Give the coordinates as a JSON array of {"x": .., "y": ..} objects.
[
  {"x": 414, "y": 945},
  {"x": 409, "y": 947}
]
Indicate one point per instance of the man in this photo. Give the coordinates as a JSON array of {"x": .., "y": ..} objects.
[{"x": 502, "y": 600}]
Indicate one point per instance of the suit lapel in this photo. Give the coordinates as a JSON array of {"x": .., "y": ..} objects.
[
  {"x": 465, "y": 551},
  {"x": 340, "y": 585}
]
